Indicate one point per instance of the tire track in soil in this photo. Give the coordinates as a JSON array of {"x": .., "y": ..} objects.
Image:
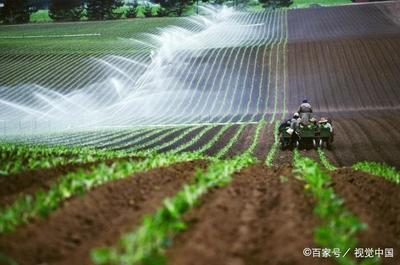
[
  {"x": 257, "y": 219},
  {"x": 376, "y": 202},
  {"x": 96, "y": 219}
]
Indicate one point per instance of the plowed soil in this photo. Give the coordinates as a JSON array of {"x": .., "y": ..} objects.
[
  {"x": 348, "y": 66},
  {"x": 96, "y": 219},
  {"x": 376, "y": 202},
  {"x": 28, "y": 182},
  {"x": 257, "y": 219},
  {"x": 265, "y": 217}
]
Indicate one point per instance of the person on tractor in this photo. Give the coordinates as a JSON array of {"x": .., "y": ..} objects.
[
  {"x": 313, "y": 123},
  {"x": 294, "y": 126},
  {"x": 327, "y": 124},
  {"x": 305, "y": 107},
  {"x": 324, "y": 123},
  {"x": 284, "y": 126},
  {"x": 295, "y": 122},
  {"x": 284, "y": 129},
  {"x": 305, "y": 110}
]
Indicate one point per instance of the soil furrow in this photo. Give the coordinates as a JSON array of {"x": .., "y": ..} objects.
[
  {"x": 28, "y": 182},
  {"x": 262, "y": 217},
  {"x": 376, "y": 202},
  {"x": 96, "y": 219}
]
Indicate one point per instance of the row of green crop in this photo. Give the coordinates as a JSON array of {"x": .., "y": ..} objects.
[
  {"x": 18, "y": 157},
  {"x": 42, "y": 203},
  {"x": 374, "y": 168},
  {"x": 146, "y": 244},
  {"x": 325, "y": 161},
  {"x": 221, "y": 153},
  {"x": 379, "y": 169},
  {"x": 272, "y": 152},
  {"x": 339, "y": 226}
]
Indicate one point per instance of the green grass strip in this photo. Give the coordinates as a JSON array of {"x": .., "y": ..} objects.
[
  {"x": 339, "y": 226},
  {"x": 379, "y": 169},
  {"x": 325, "y": 161},
  {"x": 42, "y": 203},
  {"x": 147, "y": 243},
  {"x": 275, "y": 146}
]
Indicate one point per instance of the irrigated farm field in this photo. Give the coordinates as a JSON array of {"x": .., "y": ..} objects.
[{"x": 124, "y": 143}]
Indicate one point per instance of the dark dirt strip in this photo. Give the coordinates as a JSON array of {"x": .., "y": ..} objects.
[
  {"x": 376, "y": 202},
  {"x": 96, "y": 219},
  {"x": 283, "y": 158},
  {"x": 257, "y": 219},
  {"x": 374, "y": 139}
]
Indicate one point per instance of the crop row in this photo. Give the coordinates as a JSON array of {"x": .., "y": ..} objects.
[
  {"x": 148, "y": 241},
  {"x": 270, "y": 44},
  {"x": 208, "y": 76},
  {"x": 17, "y": 158},
  {"x": 325, "y": 161},
  {"x": 379, "y": 169},
  {"x": 275, "y": 146},
  {"x": 44, "y": 202},
  {"x": 339, "y": 226}
]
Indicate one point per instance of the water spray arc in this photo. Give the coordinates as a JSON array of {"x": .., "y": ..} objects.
[{"x": 173, "y": 81}]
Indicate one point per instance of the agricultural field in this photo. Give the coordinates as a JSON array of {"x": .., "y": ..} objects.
[{"x": 156, "y": 141}]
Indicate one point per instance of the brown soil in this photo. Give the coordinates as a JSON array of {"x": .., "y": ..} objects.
[
  {"x": 347, "y": 65},
  {"x": 257, "y": 219},
  {"x": 98, "y": 218},
  {"x": 29, "y": 182},
  {"x": 376, "y": 202},
  {"x": 391, "y": 10}
]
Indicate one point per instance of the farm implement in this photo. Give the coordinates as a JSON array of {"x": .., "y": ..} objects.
[{"x": 306, "y": 136}]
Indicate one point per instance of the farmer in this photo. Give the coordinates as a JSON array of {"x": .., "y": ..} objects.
[
  {"x": 295, "y": 122},
  {"x": 324, "y": 123},
  {"x": 305, "y": 107},
  {"x": 284, "y": 126},
  {"x": 313, "y": 123},
  {"x": 305, "y": 110}
]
